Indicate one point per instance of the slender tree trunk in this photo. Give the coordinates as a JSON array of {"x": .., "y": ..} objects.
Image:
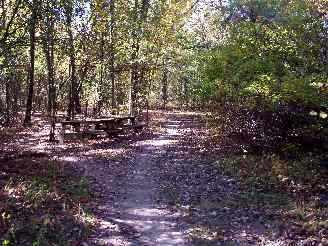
[
  {"x": 49, "y": 54},
  {"x": 7, "y": 113},
  {"x": 102, "y": 86},
  {"x": 51, "y": 82},
  {"x": 82, "y": 75},
  {"x": 30, "y": 95},
  {"x": 15, "y": 95},
  {"x": 2, "y": 104},
  {"x": 135, "y": 51},
  {"x": 73, "y": 95},
  {"x": 164, "y": 87},
  {"x": 112, "y": 77},
  {"x": 48, "y": 46},
  {"x": 112, "y": 52},
  {"x": 134, "y": 80}
]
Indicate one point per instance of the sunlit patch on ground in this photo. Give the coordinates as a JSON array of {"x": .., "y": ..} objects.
[
  {"x": 179, "y": 113},
  {"x": 69, "y": 158},
  {"x": 159, "y": 221},
  {"x": 155, "y": 142},
  {"x": 105, "y": 152},
  {"x": 202, "y": 233},
  {"x": 115, "y": 241}
]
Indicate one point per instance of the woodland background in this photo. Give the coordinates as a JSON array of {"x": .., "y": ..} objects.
[{"x": 254, "y": 71}]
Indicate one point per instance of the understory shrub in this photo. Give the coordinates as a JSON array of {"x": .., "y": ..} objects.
[{"x": 41, "y": 203}]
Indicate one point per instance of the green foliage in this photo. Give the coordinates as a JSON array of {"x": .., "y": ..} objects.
[{"x": 267, "y": 60}]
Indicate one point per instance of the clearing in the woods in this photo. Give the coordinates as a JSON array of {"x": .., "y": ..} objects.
[{"x": 163, "y": 186}]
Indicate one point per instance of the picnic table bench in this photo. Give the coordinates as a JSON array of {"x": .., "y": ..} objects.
[{"x": 111, "y": 125}]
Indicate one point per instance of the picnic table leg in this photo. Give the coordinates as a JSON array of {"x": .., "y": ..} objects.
[
  {"x": 113, "y": 127},
  {"x": 77, "y": 127},
  {"x": 62, "y": 131},
  {"x": 108, "y": 125},
  {"x": 132, "y": 121}
]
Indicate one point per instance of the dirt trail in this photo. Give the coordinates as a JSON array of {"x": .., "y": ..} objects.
[{"x": 135, "y": 214}]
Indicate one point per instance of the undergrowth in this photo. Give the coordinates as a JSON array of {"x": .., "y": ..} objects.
[
  {"x": 272, "y": 172},
  {"x": 279, "y": 160},
  {"x": 294, "y": 192},
  {"x": 41, "y": 203}
]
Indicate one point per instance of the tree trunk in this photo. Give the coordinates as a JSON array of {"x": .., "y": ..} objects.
[
  {"x": 15, "y": 93},
  {"x": 135, "y": 50},
  {"x": 112, "y": 77},
  {"x": 184, "y": 90},
  {"x": 163, "y": 93},
  {"x": 102, "y": 87},
  {"x": 112, "y": 53},
  {"x": 82, "y": 75},
  {"x": 30, "y": 95},
  {"x": 49, "y": 54},
  {"x": 74, "y": 104},
  {"x": 7, "y": 113},
  {"x": 134, "y": 80},
  {"x": 48, "y": 46}
]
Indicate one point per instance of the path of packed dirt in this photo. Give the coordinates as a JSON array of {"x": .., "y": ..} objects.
[{"x": 133, "y": 213}]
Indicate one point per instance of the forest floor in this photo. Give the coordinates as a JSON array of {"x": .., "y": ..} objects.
[{"x": 163, "y": 186}]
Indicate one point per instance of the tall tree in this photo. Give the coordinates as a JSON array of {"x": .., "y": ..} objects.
[
  {"x": 34, "y": 5},
  {"x": 73, "y": 105},
  {"x": 112, "y": 50},
  {"x": 48, "y": 37},
  {"x": 139, "y": 18},
  {"x": 164, "y": 90}
]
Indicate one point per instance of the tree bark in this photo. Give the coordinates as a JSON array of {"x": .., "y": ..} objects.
[
  {"x": 112, "y": 53},
  {"x": 8, "y": 96},
  {"x": 15, "y": 92},
  {"x": 101, "y": 82},
  {"x": 163, "y": 93},
  {"x": 134, "y": 80},
  {"x": 48, "y": 46},
  {"x": 135, "y": 50},
  {"x": 74, "y": 100},
  {"x": 28, "y": 113},
  {"x": 139, "y": 17}
]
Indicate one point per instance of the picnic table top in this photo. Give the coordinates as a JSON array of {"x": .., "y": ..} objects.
[{"x": 100, "y": 120}]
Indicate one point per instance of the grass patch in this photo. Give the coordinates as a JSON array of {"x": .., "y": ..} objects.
[{"x": 41, "y": 203}]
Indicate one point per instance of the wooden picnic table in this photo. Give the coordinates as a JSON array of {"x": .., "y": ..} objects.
[{"x": 111, "y": 125}]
